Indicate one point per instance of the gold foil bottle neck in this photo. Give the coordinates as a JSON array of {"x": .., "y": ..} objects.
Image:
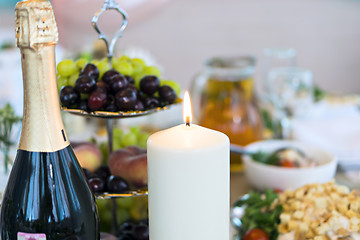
[
  {"x": 36, "y": 34},
  {"x": 35, "y": 24}
]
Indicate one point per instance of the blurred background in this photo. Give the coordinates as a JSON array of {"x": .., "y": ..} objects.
[
  {"x": 321, "y": 36},
  {"x": 182, "y": 34},
  {"x": 179, "y": 36}
]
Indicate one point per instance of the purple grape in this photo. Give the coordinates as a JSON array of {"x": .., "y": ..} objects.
[
  {"x": 83, "y": 105},
  {"x": 68, "y": 96},
  {"x": 139, "y": 106},
  {"x": 130, "y": 86},
  {"x": 149, "y": 84},
  {"x": 127, "y": 227},
  {"x": 111, "y": 99},
  {"x": 85, "y": 84},
  {"x": 118, "y": 83},
  {"x": 103, "y": 86},
  {"x": 150, "y": 102},
  {"x": 126, "y": 236},
  {"x": 126, "y": 99},
  {"x": 144, "y": 222},
  {"x": 117, "y": 184},
  {"x": 109, "y": 75},
  {"x": 141, "y": 233},
  {"x": 102, "y": 172},
  {"x": 167, "y": 94},
  {"x": 111, "y": 107},
  {"x": 87, "y": 173},
  {"x": 90, "y": 70},
  {"x": 97, "y": 100},
  {"x": 97, "y": 185},
  {"x": 130, "y": 79}
]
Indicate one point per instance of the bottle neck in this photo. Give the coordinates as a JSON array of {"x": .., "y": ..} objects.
[{"x": 42, "y": 129}]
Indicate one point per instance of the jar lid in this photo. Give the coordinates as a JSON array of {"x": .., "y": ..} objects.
[{"x": 241, "y": 66}]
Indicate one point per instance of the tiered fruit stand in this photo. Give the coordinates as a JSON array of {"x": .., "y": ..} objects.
[{"x": 112, "y": 116}]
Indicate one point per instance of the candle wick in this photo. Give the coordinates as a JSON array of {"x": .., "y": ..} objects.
[
  {"x": 188, "y": 121},
  {"x": 188, "y": 124}
]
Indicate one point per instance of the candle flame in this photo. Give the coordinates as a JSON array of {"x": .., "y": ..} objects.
[{"x": 187, "y": 111}]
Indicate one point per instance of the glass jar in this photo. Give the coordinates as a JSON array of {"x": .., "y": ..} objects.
[{"x": 223, "y": 100}]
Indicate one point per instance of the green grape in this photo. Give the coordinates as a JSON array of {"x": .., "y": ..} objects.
[
  {"x": 86, "y": 55},
  {"x": 138, "y": 66},
  {"x": 102, "y": 204},
  {"x": 61, "y": 82},
  {"x": 105, "y": 214},
  {"x": 139, "y": 60},
  {"x": 118, "y": 135},
  {"x": 135, "y": 214},
  {"x": 122, "y": 215},
  {"x": 142, "y": 139},
  {"x": 129, "y": 139},
  {"x": 72, "y": 79},
  {"x": 105, "y": 218},
  {"x": 103, "y": 67},
  {"x": 135, "y": 130},
  {"x": 126, "y": 203},
  {"x": 84, "y": 96},
  {"x": 81, "y": 63},
  {"x": 174, "y": 85},
  {"x": 124, "y": 67},
  {"x": 117, "y": 145},
  {"x": 104, "y": 148},
  {"x": 95, "y": 61},
  {"x": 114, "y": 62},
  {"x": 66, "y": 68},
  {"x": 124, "y": 58},
  {"x": 152, "y": 70},
  {"x": 137, "y": 69},
  {"x": 140, "y": 209},
  {"x": 137, "y": 79}
]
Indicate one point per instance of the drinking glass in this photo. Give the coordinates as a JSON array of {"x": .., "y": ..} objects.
[
  {"x": 277, "y": 57},
  {"x": 290, "y": 90},
  {"x": 273, "y": 58}
]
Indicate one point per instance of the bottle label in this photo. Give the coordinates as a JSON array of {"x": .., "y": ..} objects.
[{"x": 31, "y": 236}]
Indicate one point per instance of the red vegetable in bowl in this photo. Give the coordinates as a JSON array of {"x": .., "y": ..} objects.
[
  {"x": 288, "y": 157},
  {"x": 287, "y": 163},
  {"x": 256, "y": 234}
]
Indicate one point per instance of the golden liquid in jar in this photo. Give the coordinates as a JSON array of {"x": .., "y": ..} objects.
[{"x": 228, "y": 107}]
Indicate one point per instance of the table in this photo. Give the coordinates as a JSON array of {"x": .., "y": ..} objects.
[{"x": 238, "y": 186}]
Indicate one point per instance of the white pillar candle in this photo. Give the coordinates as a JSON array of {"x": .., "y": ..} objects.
[{"x": 188, "y": 172}]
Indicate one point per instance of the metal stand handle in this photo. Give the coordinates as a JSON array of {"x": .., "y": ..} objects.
[{"x": 109, "y": 5}]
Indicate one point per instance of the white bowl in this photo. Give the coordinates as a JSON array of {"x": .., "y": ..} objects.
[{"x": 263, "y": 176}]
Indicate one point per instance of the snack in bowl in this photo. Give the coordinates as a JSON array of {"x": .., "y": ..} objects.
[
  {"x": 316, "y": 211},
  {"x": 283, "y": 164},
  {"x": 319, "y": 211},
  {"x": 289, "y": 157}
]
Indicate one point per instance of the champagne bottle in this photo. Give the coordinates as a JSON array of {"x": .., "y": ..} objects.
[{"x": 47, "y": 196}]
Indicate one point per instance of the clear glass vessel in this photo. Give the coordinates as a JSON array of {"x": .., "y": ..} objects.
[{"x": 223, "y": 99}]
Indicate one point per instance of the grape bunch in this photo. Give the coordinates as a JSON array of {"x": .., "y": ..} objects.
[
  {"x": 133, "y": 137},
  {"x": 128, "y": 209},
  {"x": 127, "y": 85},
  {"x": 102, "y": 181},
  {"x": 131, "y": 230}
]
